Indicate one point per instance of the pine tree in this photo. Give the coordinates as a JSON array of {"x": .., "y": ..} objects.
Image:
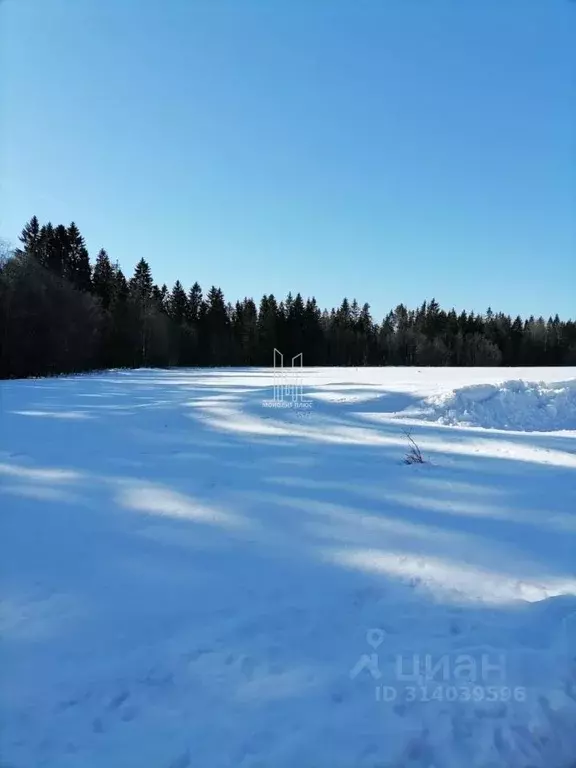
[
  {"x": 141, "y": 288},
  {"x": 194, "y": 303},
  {"x": 245, "y": 331},
  {"x": 366, "y": 335},
  {"x": 216, "y": 325},
  {"x": 141, "y": 283},
  {"x": 78, "y": 269},
  {"x": 45, "y": 245},
  {"x": 294, "y": 326},
  {"x": 60, "y": 252},
  {"x": 31, "y": 240},
  {"x": 122, "y": 292},
  {"x": 268, "y": 329},
  {"x": 313, "y": 337},
  {"x": 178, "y": 307},
  {"x": 104, "y": 279}
]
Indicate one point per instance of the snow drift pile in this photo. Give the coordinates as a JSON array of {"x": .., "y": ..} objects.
[{"x": 514, "y": 405}]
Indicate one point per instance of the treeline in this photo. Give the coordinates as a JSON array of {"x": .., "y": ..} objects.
[{"x": 60, "y": 313}]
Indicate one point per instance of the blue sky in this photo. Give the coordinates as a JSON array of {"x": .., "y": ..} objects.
[{"x": 388, "y": 150}]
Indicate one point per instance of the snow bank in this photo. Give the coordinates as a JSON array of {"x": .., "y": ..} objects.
[{"x": 515, "y": 405}]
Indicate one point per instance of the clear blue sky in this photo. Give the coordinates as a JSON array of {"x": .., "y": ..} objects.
[{"x": 391, "y": 150}]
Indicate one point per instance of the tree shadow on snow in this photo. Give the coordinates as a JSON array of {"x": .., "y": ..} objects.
[{"x": 271, "y": 574}]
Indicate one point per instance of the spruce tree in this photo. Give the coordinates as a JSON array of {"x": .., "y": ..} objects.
[
  {"x": 30, "y": 237},
  {"x": 268, "y": 329},
  {"x": 78, "y": 269},
  {"x": 216, "y": 326},
  {"x": 178, "y": 308},
  {"x": 59, "y": 252},
  {"x": 194, "y": 303},
  {"x": 141, "y": 283},
  {"x": 104, "y": 279},
  {"x": 141, "y": 297}
]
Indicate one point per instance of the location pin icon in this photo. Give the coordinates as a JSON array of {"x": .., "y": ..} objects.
[{"x": 375, "y": 637}]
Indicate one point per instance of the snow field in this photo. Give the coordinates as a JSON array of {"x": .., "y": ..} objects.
[{"x": 191, "y": 578}]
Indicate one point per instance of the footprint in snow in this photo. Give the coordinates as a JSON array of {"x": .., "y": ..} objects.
[
  {"x": 247, "y": 667},
  {"x": 118, "y": 700},
  {"x": 129, "y": 714},
  {"x": 97, "y": 725}
]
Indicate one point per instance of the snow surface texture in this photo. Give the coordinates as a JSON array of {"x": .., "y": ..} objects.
[
  {"x": 191, "y": 577},
  {"x": 516, "y": 405}
]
